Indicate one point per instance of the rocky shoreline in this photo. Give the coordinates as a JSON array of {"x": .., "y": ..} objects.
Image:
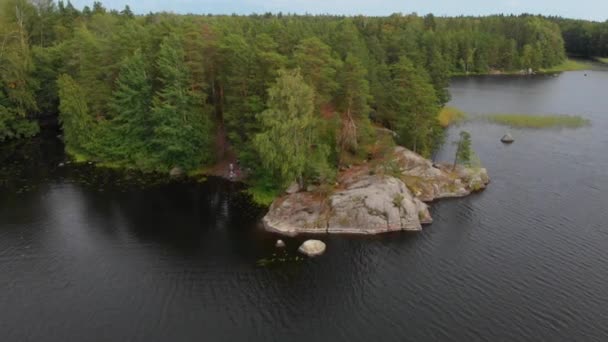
[{"x": 374, "y": 198}]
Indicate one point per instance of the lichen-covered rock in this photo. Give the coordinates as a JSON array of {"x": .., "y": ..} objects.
[
  {"x": 375, "y": 204},
  {"x": 430, "y": 181},
  {"x": 301, "y": 212},
  {"x": 371, "y": 205}
]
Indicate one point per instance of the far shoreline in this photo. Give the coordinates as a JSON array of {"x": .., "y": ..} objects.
[{"x": 571, "y": 64}]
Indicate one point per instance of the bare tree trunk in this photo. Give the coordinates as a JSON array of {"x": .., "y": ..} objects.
[{"x": 349, "y": 131}]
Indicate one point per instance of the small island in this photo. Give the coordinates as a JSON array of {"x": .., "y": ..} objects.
[{"x": 372, "y": 198}]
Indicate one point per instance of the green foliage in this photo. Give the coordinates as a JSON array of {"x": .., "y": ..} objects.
[
  {"x": 584, "y": 38},
  {"x": 131, "y": 122},
  {"x": 151, "y": 92},
  {"x": 17, "y": 84},
  {"x": 354, "y": 96},
  {"x": 288, "y": 142},
  {"x": 413, "y": 107},
  {"x": 74, "y": 116},
  {"x": 181, "y": 126},
  {"x": 318, "y": 67},
  {"x": 464, "y": 150},
  {"x": 263, "y": 191},
  {"x": 12, "y": 125}
]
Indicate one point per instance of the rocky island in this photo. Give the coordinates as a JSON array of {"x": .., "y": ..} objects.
[{"x": 374, "y": 198}]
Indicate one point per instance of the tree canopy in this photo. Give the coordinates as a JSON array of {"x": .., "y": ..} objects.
[{"x": 296, "y": 96}]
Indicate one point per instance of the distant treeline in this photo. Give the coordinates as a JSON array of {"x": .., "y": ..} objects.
[
  {"x": 158, "y": 91},
  {"x": 584, "y": 38}
]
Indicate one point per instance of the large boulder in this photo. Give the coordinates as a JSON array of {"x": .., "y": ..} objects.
[
  {"x": 369, "y": 205},
  {"x": 301, "y": 212},
  {"x": 312, "y": 248},
  {"x": 375, "y": 204}
]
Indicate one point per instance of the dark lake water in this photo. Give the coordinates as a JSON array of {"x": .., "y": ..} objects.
[{"x": 90, "y": 255}]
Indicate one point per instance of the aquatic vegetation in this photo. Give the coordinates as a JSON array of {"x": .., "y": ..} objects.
[
  {"x": 568, "y": 65},
  {"x": 277, "y": 259},
  {"x": 450, "y": 115},
  {"x": 538, "y": 121}
]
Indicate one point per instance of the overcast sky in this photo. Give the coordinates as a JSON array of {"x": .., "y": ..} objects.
[{"x": 585, "y": 9}]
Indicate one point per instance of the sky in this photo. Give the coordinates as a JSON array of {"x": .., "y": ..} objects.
[{"x": 581, "y": 9}]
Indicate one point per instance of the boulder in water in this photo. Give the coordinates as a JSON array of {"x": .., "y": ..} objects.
[
  {"x": 507, "y": 139},
  {"x": 280, "y": 244},
  {"x": 312, "y": 248}
]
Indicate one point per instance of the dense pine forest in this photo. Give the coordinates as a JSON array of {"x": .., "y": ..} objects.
[{"x": 294, "y": 97}]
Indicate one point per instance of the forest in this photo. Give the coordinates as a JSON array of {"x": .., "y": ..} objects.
[
  {"x": 295, "y": 97},
  {"x": 584, "y": 38}
]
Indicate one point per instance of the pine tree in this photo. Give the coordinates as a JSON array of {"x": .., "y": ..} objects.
[
  {"x": 464, "y": 151},
  {"x": 237, "y": 90},
  {"x": 126, "y": 12},
  {"x": 131, "y": 125},
  {"x": 180, "y": 118},
  {"x": 353, "y": 97},
  {"x": 413, "y": 106},
  {"x": 74, "y": 116},
  {"x": 318, "y": 67}
]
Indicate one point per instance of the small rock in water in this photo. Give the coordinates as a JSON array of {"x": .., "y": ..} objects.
[
  {"x": 280, "y": 244},
  {"x": 507, "y": 139},
  {"x": 61, "y": 164},
  {"x": 312, "y": 248}
]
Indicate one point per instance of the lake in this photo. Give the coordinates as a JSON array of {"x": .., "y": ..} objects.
[{"x": 94, "y": 255}]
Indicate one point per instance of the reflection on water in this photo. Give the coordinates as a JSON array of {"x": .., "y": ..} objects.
[{"x": 89, "y": 254}]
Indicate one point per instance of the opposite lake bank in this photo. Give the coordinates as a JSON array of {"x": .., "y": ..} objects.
[{"x": 571, "y": 64}]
